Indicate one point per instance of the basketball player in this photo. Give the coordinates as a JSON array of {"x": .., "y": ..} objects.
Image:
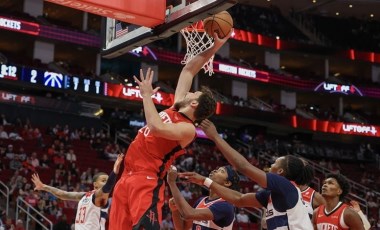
[
  {"x": 311, "y": 198},
  {"x": 210, "y": 212},
  {"x": 89, "y": 211},
  {"x": 335, "y": 214},
  {"x": 280, "y": 196},
  {"x": 139, "y": 194}
]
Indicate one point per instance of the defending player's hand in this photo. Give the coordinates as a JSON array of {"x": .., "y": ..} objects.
[
  {"x": 145, "y": 83},
  {"x": 37, "y": 182},
  {"x": 192, "y": 177},
  {"x": 172, "y": 174},
  {"x": 118, "y": 161},
  {"x": 209, "y": 128}
]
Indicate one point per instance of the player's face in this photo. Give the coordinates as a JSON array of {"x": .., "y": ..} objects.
[
  {"x": 276, "y": 167},
  {"x": 219, "y": 175},
  {"x": 189, "y": 97},
  {"x": 331, "y": 188},
  {"x": 102, "y": 179}
]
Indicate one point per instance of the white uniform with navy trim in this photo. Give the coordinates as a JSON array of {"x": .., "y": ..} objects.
[
  {"x": 88, "y": 215},
  {"x": 224, "y": 214},
  {"x": 283, "y": 201}
]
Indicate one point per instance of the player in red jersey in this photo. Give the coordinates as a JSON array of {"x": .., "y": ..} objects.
[
  {"x": 138, "y": 196},
  {"x": 311, "y": 198},
  {"x": 336, "y": 215}
]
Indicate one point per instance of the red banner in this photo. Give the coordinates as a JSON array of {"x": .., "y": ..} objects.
[
  {"x": 19, "y": 26},
  {"x": 131, "y": 93},
  {"x": 138, "y": 12},
  {"x": 15, "y": 98}
]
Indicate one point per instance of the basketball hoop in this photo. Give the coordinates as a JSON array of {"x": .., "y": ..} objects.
[{"x": 197, "y": 41}]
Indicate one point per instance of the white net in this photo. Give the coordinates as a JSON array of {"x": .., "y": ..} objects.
[{"x": 197, "y": 41}]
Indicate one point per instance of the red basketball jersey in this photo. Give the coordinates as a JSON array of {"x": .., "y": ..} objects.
[
  {"x": 154, "y": 154},
  {"x": 333, "y": 220},
  {"x": 307, "y": 197}
]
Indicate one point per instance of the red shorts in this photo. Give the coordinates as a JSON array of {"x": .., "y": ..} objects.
[{"x": 137, "y": 202}]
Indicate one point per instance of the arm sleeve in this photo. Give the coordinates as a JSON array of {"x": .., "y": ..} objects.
[
  {"x": 110, "y": 183},
  {"x": 283, "y": 188},
  {"x": 365, "y": 221},
  {"x": 224, "y": 213}
]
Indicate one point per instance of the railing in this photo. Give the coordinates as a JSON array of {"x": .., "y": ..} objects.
[
  {"x": 255, "y": 212},
  {"x": 107, "y": 128},
  {"x": 23, "y": 206},
  {"x": 4, "y": 191},
  {"x": 119, "y": 136}
]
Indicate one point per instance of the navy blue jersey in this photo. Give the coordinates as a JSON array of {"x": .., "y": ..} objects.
[
  {"x": 283, "y": 201},
  {"x": 224, "y": 214}
]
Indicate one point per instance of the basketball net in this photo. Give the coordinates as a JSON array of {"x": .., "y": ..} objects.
[{"x": 197, "y": 41}]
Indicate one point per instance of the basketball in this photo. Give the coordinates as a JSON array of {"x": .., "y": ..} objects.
[{"x": 220, "y": 23}]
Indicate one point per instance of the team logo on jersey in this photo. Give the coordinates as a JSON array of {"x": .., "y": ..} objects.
[
  {"x": 86, "y": 200},
  {"x": 152, "y": 217}
]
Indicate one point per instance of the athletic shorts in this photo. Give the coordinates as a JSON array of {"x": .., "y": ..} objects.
[{"x": 137, "y": 202}]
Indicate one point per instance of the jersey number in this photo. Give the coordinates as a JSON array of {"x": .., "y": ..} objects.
[{"x": 81, "y": 215}]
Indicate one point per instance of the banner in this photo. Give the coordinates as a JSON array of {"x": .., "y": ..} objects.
[
  {"x": 16, "y": 98},
  {"x": 19, "y": 26},
  {"x": 131, "y": 93}
]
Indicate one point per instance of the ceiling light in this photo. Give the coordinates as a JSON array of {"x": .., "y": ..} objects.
[
  {"x": 371, "y": 15},
  {"x": 337, "y": 13},
  {"x": 350, "y": 6},
  {"x": 336, "y": 74},
  {"x": 277, "y": 37},
  {"x": 314, "y": 1}
]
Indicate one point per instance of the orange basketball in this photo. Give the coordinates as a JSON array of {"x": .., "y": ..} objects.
[{"x": 220, "y": 23}]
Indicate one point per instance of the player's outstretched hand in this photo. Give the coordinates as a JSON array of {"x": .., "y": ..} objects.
[
  {"x": 218, "y": 42},
  {"x": 37, "y": 182},
  {"x": 116, "y": 165},
  {"x": 172, "y": 174},
  {"x": 209, "y": 128},
  {"x": 355, "y": 205},
  {"x": 145, "y": 83},
  {"x": 192, "y": 177}
]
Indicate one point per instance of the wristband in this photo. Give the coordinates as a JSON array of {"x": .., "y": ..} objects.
[{"x": 207, "y": 182}]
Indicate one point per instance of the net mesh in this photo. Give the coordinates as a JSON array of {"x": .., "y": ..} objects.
[{"x": 197, "y": 41}]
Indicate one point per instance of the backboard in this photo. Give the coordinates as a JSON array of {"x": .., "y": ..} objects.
[{"x": 121, "y": 37}]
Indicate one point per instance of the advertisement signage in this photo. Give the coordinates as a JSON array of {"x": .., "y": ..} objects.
[
  {"x": 16, "y": 98},
  {"x": 19, "y": 26},
  {"x": 132, "y": 93},
  {"x": 338, "y": 88}
]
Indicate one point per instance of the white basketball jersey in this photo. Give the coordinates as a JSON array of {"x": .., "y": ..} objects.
[{"x": 88, "y": 215}]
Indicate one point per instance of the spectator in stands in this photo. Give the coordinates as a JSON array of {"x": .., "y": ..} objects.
[
  {"x": 3, "y": 120},
  {"x": 62, "y": 224},
  {"x": 70, "y": 156},
  {"x": 279, "y": 186},
  {"x": 186, "y": 193},
  {"x": 211, "y": 211},
  {"x": 45, "y": 161},
  {"x": 3, "y": 133},
  {"x": 34, "y": 160},
  {"x": 242, "y": 217},
  {"x": 22, "y": 154},
  {"x": 335, "y": 188},
  {"x": 167, "y": 223},
  {"x": 9, "y": 152},
  {"x": 15, "y": 163}
]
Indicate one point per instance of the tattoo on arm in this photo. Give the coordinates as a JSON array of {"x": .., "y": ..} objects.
[{"x": 64, "y": 195}]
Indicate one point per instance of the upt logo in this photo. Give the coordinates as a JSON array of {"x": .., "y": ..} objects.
[{"x": 339, "y": 88}]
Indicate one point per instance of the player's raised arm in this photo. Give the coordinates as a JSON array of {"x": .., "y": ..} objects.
[
  {"x": 193, "y": 66},
  {"x": 102, "y": 194},
  {"x": 61, "y": 194},
  {"x": 233, "y": 157}
]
